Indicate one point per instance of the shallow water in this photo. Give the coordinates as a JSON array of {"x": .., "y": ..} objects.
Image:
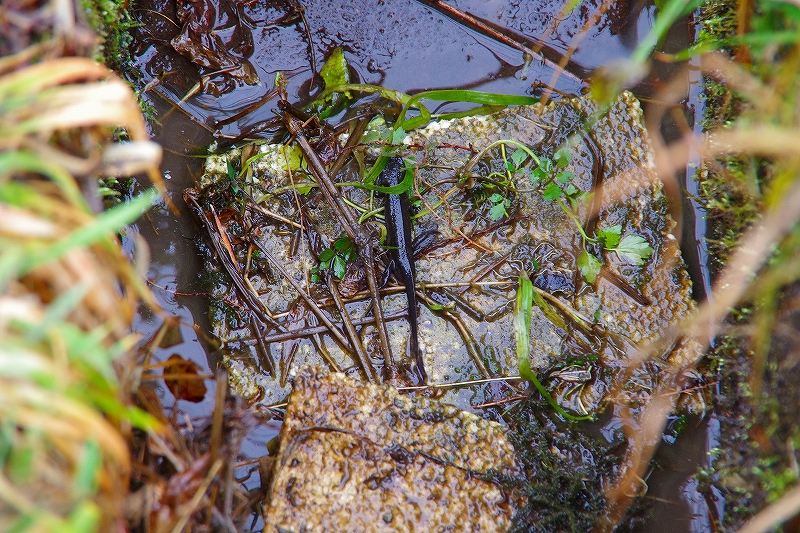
[{"x": 407, "y": 46}]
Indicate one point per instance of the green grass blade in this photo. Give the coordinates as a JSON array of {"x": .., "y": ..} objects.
[
  {"x": 456, "y": 95},
  {"x": 522, "y": 328},
  {"x": 667, "y": 15},
  {"x": 108, "y": 222},
  {"x": 22, "y": 161},
  {"x": 85, "y": 479},
  {"x": 400, "y": 188}
]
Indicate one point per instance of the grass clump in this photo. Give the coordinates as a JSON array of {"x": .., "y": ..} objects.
[
  {"x": 65, "y": 318},
  {"x": 751, "y": 103}
]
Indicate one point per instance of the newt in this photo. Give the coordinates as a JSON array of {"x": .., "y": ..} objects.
[{"x": 397, "y": 212}]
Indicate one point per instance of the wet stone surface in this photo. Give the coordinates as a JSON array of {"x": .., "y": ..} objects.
[
  {"x": 358, "y": 457},
  {"x": 582, "y": 356}
]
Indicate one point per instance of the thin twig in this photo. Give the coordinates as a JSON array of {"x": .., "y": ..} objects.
[
  {"x": 303, "y": 294},
  {"x": 250, "y": 299},
  {"x": 463, "y": 331},
  {"x": 490, "y": 30},
  {"x": 314, "y": 330},
  {"x": 357, "y": 233},
  {"x": 355, "y": 339}
]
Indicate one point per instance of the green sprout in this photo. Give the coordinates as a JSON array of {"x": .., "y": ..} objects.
[
  {"x": 336, "y": 259},
  {"x": 632, "y": 248},
  {"x": 499, "y": 205}
]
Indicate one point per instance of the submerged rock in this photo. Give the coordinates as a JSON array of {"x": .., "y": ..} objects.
[
  {"x": 359, "y": 457},
  {"x": 581, "y": 340}
]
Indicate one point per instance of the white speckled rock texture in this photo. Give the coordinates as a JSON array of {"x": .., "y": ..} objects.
[{"x": 362, "y": 457}]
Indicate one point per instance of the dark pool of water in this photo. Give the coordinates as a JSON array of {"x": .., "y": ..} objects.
[{"x": 405, "y": 45}]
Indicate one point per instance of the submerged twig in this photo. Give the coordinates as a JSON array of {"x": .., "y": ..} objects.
[
  {"x": 253, "y": 303},
  {"x": 506, "y": 36},
  {"x": 359, "y": 235},
  {"x": 315, "y": 330},
  {"x": 469, "y": 342},
  {"x": 303, "y": 294},
  {"x": 355, "y": 339}
]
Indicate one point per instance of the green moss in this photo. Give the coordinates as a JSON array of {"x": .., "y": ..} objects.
[
  {"x": 112, "y": 22},
  {"x": 566, "y": 469}
]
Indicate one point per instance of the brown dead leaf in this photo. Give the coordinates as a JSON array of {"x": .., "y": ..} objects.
[{"x": 183, "y": 379}]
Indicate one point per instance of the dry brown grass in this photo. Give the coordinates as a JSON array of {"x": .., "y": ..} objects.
[{"x": 67, "y": 290}]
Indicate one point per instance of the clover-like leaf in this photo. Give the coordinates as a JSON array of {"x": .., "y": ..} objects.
[
  {"x": 565, "y": 176},
  {"x": 610, "y": 235},
  {"x": 634, "y": 248},
  {"x": 342, "y": 243},
  {"x": 538, "y": 175},
  {"x": 552, "y": 192},
  {"x": 562, "y": 157},
  {"x": 398, "y": 135},
  {"x": 339, "y": 266},
  {"x": 326, "y": 255},
  {"x": 589, "y": 266},
  {"x": 518, "y": 157},
  {"x": 499, "y": 204},
  {"x": 498, "y": 211}
]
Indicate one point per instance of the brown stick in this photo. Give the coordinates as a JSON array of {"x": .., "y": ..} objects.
[{"x": 355, "y": 339}]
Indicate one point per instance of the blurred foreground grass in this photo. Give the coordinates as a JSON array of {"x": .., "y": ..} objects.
[{"x": 67, "y": 290}]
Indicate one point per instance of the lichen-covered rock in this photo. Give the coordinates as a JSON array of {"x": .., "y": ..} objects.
[{"x": 359, "y": 457}]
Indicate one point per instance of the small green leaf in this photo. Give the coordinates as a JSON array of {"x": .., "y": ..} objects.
[
  {"x": 562, "y": 157},
  {"x": 589, "y": 266},
  {"x": 398, "y": 135},
  {"x": 326, "y": 255},
  {"x": 571, "y": 190},
  {"x": 498, "y": 211},
  {"x": 441, "y": 307},
  {"x": 546, "y": 164},
  {"x": 565, "y": 176},
  {"x": 334, "y": 72},
  {"x": 552, "y": 192},
  {"x": 634, "y": 248},
  {"x": 342, "y": 243},
  {"x": 325, "y": 265},
  {"x": 339, "y": 266},
  {"x": 371, "y": 136},
  {"x": 538, "y": 175},
  {"x": 518, "y": 157},
  {"x": 610, "y": 236},
  {"x": 315, "y": 278}
]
